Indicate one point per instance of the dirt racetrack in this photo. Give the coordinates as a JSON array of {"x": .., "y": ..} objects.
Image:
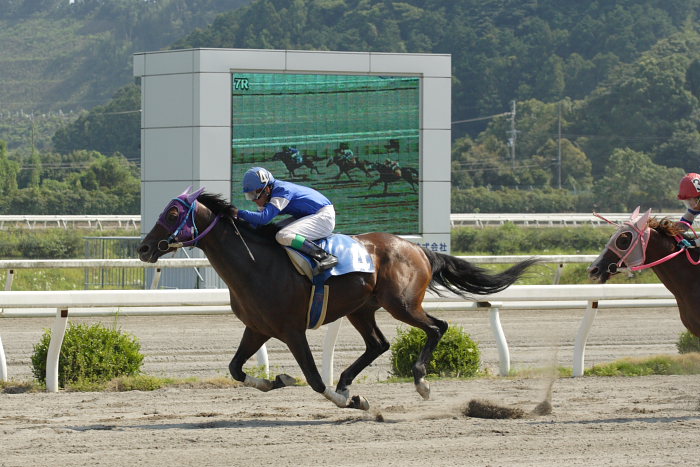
[{"x": 594, "y": 420}]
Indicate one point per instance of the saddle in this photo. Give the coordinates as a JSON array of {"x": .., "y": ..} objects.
[{"x": 352, "y": 257}]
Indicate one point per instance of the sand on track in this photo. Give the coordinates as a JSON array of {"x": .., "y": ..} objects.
[{"x": 651, "y": 420}]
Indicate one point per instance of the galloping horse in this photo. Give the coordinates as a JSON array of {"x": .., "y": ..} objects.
[
  {"x": 292, "y": 164},
  {"x": 271, "y": 298},
  {"x": 387, "y": 175},
  {"x": 345, "y": 166},
  {"x": 643, "y": 242}
]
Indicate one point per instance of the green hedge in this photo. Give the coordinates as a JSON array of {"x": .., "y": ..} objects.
[
  {"x": 90, "y": 354},
  {"x": 42, "y": 244},
  {"x": 509, "y": 239},
  {"x": 456, "y": 354}
]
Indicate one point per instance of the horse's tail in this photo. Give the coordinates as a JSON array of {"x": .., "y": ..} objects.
[{"x": 462, "y": 277}]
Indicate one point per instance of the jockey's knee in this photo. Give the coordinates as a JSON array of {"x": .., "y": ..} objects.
[{"x": 285, "y": 238}]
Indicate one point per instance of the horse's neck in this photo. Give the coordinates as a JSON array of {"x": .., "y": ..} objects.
[
  {"x": 241, "y": 260},
  {"x": 670, "y": 272}
]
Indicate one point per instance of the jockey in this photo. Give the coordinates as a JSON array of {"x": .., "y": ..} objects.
[
  {"x": 393, "y": 166},
  {"x": 348, "y": 155},
  {"x": 312, "y": 214},
  {"x": 689, "y": 194},
  {"x": 293, "y": 153}
]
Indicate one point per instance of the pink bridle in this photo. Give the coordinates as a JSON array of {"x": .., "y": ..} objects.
[{"x": 639, "y": 244}]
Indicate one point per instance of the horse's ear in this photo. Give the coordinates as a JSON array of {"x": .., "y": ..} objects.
[
  {"x": 644, "y": 219},
  {"x": 193, "y": 196},
  {"x": 635, "y": 213},
  {"x": 187, "y": 191}
]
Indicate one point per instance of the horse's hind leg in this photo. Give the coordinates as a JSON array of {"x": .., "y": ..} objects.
[
  {"x": 299, "y": 347},
  {"x": 434, "y": 329},
  {"x": 375, "y": 342},
  {"x": 250, "y": 343}
]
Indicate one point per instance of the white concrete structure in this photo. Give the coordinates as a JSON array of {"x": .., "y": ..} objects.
[{"x": 186, "y": 119}]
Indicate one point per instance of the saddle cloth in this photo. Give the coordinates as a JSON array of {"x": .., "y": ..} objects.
[{"x": 352, "y": 257}]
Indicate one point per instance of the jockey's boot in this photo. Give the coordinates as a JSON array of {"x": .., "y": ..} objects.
[{"x": 324, "y": 259}]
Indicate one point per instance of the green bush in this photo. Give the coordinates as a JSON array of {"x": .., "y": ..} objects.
[
  {"x": 456, "y": 355},
  {"x": 509, "y": 239},
  {"x": 688, "y": 342},
  {"x": 90, "y": 354},
  {"x": 51, "y": 244}
]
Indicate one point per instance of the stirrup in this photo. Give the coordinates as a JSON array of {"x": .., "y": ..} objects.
[{"x": 326, "y": 263}]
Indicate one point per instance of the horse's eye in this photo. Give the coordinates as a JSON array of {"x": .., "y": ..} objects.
[
  {"x": 172, "y": 216},
  {"x": 623, "y": 241}
]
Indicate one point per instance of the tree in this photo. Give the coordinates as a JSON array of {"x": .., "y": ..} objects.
[
  {"x": 9, "y": 170},
  {"x": 632, "y": 179}
]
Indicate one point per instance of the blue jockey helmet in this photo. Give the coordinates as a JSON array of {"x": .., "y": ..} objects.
[{"x": 256, "y": 178}]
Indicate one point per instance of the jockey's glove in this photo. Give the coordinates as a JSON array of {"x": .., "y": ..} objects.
[{"x": 686, "y": 243}]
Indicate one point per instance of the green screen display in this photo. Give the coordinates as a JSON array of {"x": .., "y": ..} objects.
[{"x": 355, "y": 138}]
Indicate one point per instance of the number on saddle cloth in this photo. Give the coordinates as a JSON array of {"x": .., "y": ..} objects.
[{"x": 352, "y": 257}]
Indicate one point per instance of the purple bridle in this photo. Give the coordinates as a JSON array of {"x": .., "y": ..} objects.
[{"x": 186, "y": 205}]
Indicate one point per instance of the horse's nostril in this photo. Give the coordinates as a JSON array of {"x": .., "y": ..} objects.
[
  {"x": 593, "y": 272},
  {"x": 143, "y": 249}
]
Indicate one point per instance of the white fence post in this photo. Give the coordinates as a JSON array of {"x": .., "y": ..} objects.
[
  {"x": 501, "y": 343},
  {"x": 329, "y": 351},
  {"x": 262, "y": 359},
  {"x": 3, "y": 363},
  {"x": 59, "y": 331},
  {"x": 582, "y": 336}
]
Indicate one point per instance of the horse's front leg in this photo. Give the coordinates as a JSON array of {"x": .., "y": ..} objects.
[
  {"x": 250, "y": 343},
  {"x": 375, "y": 345},
  {"x": 299, "y": 347}
]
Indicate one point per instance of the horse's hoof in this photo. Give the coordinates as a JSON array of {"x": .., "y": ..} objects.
[
  {"x": 261, "y": 384},
  {"x": 285, "y": 380},
  {"x": 423, "y": 389},
  {"x": 358, "y": 402}
]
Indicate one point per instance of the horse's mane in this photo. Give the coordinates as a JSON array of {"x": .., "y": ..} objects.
[
  {"x": 218, "y": 205},
  {"x": 665, "y": 226}
]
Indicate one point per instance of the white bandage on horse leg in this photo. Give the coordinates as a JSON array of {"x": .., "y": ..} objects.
[{"x": 338, "y": 399}]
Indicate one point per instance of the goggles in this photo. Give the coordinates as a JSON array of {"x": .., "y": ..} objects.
[{"x": 254, "y": 195}]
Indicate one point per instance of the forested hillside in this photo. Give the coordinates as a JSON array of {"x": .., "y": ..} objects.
[
  {"x": 60, "y": 57},
  {"x": 607, "y": 92}
]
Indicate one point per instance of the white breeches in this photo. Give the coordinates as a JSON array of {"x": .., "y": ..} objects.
[{"x": 313, "y": 227}]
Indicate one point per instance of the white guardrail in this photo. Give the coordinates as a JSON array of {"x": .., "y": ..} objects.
[
  {"x": 60, "y": 304},
  {"x": 456, "y": 220}
]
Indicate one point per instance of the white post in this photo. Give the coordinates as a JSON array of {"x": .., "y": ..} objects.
[
  {"x": 156, "y": 278},
  {"x": 501, "y": 343},
  {"x": 262, "y": 359},
  {"x": 57, "y": 334},
  {"x": 8, "y": 281},
  {"x": 328, "y": 351},
  {"x": 3, "y": 363},
  {"x": 582, "y": 336}
]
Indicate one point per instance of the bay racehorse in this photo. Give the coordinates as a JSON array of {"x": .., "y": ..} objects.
[
  {"x": 645, "y": 242},
  {"x": 293, "y": 164},
  {"x": 388, "y": 175},
  {"x": 345, "y": 166},
  {"x": 271, "y": 298}
]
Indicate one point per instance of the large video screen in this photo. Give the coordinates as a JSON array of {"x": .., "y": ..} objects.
[{"x": 355, "y": 138}]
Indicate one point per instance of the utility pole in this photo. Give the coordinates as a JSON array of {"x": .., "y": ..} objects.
[
  {"x": 512, "y": 134},
  {"x": 559, "y": 148}
]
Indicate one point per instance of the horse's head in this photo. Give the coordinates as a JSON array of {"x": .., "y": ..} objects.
[
  {"x": 175, "y": 227},
  {"x": 625, "y": 249}
]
